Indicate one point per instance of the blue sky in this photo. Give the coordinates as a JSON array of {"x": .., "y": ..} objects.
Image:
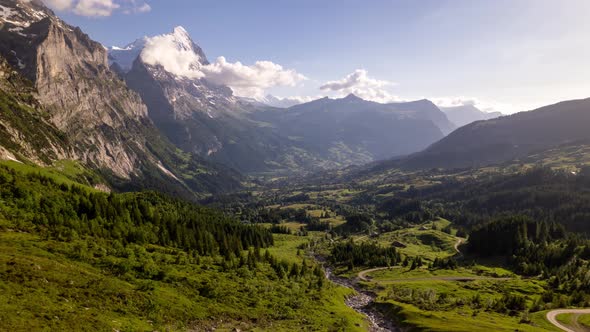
[{"x": 509, "y": 55}]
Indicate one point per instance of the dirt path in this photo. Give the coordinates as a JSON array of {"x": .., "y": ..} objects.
[
  {"x": 552, "y": 318},
  {"x": 363, "y": 274}
]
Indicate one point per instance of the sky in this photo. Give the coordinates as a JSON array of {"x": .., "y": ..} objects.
[{"x": 501, "y": 55}]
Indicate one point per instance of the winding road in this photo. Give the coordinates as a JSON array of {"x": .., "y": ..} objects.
[{"x": 552, "y": 318}]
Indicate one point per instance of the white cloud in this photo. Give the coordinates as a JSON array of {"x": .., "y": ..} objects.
[
  {"x": 99, "y": 8},
  {"x": 144, "y": 8},
  {"x": 95, "y": 7},
  {"x": 359, "y": 83},
  {"x": 59, "y": 4},
  {"x": 135, "y": 6},
  {"x": 250, "y": 81},
  {"x": 175, "y": 53},
  {"x": 483, "y": 105}
]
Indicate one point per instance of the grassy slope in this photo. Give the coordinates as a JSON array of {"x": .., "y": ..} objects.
[
  {"x": 463, "y": 320},
  {"x": 70, "y": 286},
  {"x": 64, "y": 171},
  {"x": 44, "y": 287},
  {"x": 568, "y": 319},
  {"x": 426, "y": 243},
  {"x": 405, "y": 299}
]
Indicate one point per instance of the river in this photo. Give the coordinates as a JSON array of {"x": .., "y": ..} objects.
[{"x": 362, "y": 302}]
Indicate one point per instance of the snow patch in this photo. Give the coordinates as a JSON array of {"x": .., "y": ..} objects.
[
  {"x": 5, "y": 12},
  {"x": 125, "y": 56}
]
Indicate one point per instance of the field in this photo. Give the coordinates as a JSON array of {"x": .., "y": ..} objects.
[
  {"x": 65, "y": 171},
  {"x": 423, "y": 241},
  {"x": 460, "y": 299},
  {"x": 575, "y": 321}
]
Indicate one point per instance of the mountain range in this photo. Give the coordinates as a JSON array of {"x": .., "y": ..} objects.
[
  {"x": 141, "y": 122},
  {"x": 249, "y": 135}
]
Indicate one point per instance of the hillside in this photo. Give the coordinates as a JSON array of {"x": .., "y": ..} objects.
[
  {"x": 73, "y": 258},
  {"x": 506, "y": 138}
]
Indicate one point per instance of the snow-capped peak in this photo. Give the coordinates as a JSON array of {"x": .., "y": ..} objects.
[
  {"x": 181, "y": 32},
  {"x": 175, "y": 52},
  {"x": 182, "y": 39},
  {"x": 21, "y": 14},
  {"x": 124, "y": 56}
]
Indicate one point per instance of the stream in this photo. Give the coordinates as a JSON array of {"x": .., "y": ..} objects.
[{"x": 361, "y": 302}]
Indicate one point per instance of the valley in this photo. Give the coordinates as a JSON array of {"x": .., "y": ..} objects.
[{"x": 148, "y": 187}]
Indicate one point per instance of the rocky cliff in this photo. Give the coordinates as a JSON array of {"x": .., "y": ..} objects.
[
  {"x": 25, "y": 130},
  {"x": 106, "y": 122}
]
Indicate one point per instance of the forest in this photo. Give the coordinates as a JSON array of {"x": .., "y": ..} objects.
[{"x": 145, "y": 260}]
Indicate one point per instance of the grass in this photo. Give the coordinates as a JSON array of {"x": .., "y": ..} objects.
[
  {"x": 407, "y": 301},
  {"x": 566, "y": 319},
  {"x": 65, "y": 171},
  {"x": 460, "y": 320},
  {"x": 584, "y": 320},
  {"x": 570, "y": 319},
  {"x": 286, "y": 247},
  {"x": 47, "y": 285},
  {"x": 426, "y": 243},
  {"x": 403, "y": 273}
]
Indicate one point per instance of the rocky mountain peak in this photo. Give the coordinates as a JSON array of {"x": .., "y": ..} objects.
[
  {"x": 174, "y": 52},
  {"x": 352, "y": 97},
  {"x": 182, "y": 39},
  {"x": 21, "y": 14}
]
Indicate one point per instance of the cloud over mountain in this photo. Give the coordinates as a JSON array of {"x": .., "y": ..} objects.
[
  {"x": 359, "y": 83},
  {"x": 487, "y": 106},
  {"x": 251, "y": 81},
  {"x": 175, "y": 52},
  {"x": 178, "y": 55}
]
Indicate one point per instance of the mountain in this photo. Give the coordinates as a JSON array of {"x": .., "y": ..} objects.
[
  {"x": 105, "y": 122},
  {"x": 124, "y": 57},
  {"x": 273, "y": 101},
  {"x": 494, "y": 141},
  {"x": 25, "y": 129},
  {"x": 201, "y": 117},
  {"x": 351, "y": 130},
  {"x": 424, "y": 110},
  {"x": 247, "y": 134},
  {"x": 466, "y": 114}
]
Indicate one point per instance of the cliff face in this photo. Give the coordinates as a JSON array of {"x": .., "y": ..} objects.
[
  {"x": 106, "y": 123},
  {"x": 25, "y": 130},
  {"x": 83, "y": 97}
]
